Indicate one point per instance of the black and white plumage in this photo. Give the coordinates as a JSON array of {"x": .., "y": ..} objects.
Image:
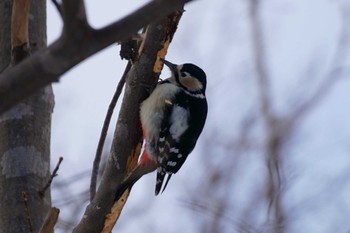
[{"x": 172, "y": 118}]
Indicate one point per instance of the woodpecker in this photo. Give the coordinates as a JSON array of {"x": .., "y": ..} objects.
[{"x": 172, "y": 119}]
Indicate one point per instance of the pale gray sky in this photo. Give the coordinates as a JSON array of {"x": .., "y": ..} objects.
[{"x": 300, "y": 43}]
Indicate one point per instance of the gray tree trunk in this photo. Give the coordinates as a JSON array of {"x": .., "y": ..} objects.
[{"x": 24, "y": 136}]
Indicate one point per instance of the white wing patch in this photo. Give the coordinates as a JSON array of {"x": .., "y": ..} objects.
[
  {"x": 174, "y": 150},
  {"x": 178, "y": 121},
  {"x": 171, "y": 163}
]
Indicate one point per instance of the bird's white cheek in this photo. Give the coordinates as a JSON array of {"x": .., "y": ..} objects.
[{"x": 191, "y": 83}]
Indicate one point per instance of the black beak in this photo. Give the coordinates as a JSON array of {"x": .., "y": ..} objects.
[{"x": 172, "y": 67}]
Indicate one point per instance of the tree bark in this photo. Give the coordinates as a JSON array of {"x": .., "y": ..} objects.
[
  {"x": 104, "y": 210},
  {"x": 25, "y": 128}
]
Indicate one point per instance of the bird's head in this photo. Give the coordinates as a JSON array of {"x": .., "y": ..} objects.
[{"x": 188, "y": 76}]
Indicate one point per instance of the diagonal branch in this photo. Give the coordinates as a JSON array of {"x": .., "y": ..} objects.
[
  {"x": 58, "y": 7},
  {"x": 50, "y": 221},
  {"x": 74, "y": 17},
  {"x": 49, "y": 64},
  {"x": 103, "y": 136},
  {"x": 53, "y": 175},
  {"x": 103, "y": 211}
]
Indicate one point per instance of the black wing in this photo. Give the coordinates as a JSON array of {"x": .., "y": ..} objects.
[{"x": 183, "y": 123}]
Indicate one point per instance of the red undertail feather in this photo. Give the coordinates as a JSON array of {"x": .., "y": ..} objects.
[{"x": 145, "y": 158}]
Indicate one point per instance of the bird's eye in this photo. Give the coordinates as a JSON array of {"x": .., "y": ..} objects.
[{"x": 184, "y": 74}]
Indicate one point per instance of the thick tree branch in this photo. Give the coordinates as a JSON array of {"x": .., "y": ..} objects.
[
  {"x": 74, "y": 18},
  {"x": 47, "y": 65},
  {"x": 99, "y": 215},
  {"x": 51, "y": 221}
]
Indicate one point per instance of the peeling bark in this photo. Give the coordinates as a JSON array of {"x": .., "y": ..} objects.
[{"x": 100, "y": 214}]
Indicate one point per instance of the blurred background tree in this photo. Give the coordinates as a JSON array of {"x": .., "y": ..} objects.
[
  {"x": 25, "y": 130},
  {"x": 273, "y": 156}
]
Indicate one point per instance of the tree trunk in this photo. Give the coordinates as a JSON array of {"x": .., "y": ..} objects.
[{"x": 24, "y": 133}]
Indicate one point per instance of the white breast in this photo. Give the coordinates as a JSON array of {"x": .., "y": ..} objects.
[{"x": 152, "y": 109}]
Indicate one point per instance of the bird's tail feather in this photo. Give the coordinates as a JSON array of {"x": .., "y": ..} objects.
[
  {"x": 160, "y": 180},
  {"x": 167, "y": 181}
]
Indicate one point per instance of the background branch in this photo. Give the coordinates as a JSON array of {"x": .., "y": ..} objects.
[
  {"x": 49, "y": 64},
  {"x": 272, "y": 124},
  {"x": 25, "y": 130},
  {"x": 75, "y": 24}
]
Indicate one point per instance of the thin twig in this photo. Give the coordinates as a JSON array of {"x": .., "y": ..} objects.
[
  {"x": 54, "y": 173},
  {"x": 103, "y": 135},
  {"x": 26, "y": 211},
  {"x": 58, "y": 7},
  {"x": 261, "y": 69}
]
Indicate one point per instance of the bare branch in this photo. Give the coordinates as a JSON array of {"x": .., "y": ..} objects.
[
  {"x": 58, "y": 7},
  {"x": 54, "y": 173},
  {"x": 49, "y": 64},
  {"x": 74, "y": 18},
  {"x": 103, "y": 135},
  {"x": 262, "y": 74},
  {"x": 26, "y": 211}
]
